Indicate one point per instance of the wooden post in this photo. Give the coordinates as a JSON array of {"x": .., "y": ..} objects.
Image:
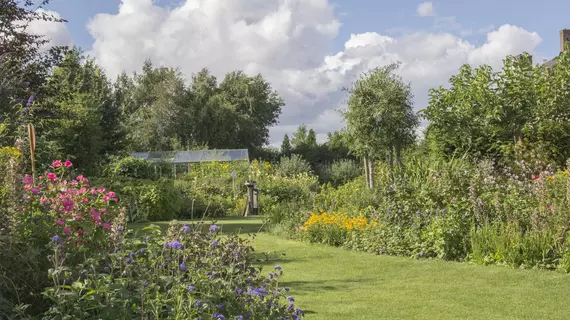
[
  {"x": 250, "y": 196},
  {"x": 32, "y": 138}
]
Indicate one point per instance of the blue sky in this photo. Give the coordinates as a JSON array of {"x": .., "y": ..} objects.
[
  {"x": 298, "y": 46},
  {"x": 544, "y": 17}
]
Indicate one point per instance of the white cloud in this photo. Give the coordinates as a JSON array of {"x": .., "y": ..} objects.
[
  {"x": 57, "y": 32},
  {"x": 289, "y": 43},
  {"x": 425, "y": 9}
]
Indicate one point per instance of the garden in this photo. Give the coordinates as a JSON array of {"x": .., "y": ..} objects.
[{"x": 469, "y": 220}]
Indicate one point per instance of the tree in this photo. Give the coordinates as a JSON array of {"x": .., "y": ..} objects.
[
  {"x": 286, "y": 146},
  {"x": 157, "y": 112},
  {"x": 380, "y": 117},
  {"x": 488, "y": 113},
  {"x": 299, "y": 138},
  {"x": 256, "y": 104},
  {"x": 23, "y": 67},
  {"x": 78, "y": 98}
]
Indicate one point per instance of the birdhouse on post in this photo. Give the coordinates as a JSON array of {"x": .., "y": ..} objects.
[{"x": 249, "y": 209}]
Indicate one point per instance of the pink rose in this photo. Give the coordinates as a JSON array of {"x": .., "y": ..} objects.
[
  {"x": 107, "y": 226},
  {"x": 60, "y": 223},
  {"x": 27, "y": 196},
  {"x": 105, "y": 198},
  {"x": 111, "y": 194},
  {"x": 35, "y": 190},
  {"x": 51, "y": 176},
  {"x": 56, "y": 164},
  {"x": 67, "y": 230},
  {"x": 68, "y": 163}
]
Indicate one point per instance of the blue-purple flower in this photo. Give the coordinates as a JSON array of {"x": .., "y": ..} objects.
[
  {"x": 174, "y": 245},
  {"x": 218, "y": 316},
  {"x": 191, "y": 288},
  {"x": 215, "y": 243},
  {"x": 214, "y": 228},
  {"x": 182, "y": 266},
  {"x": 186, "y": 228}
]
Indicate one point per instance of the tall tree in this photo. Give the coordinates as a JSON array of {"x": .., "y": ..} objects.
[
  {"x": 286, "y": 146},
  {"x": 78, "y": 98},
  {"x": 380, "y": 116}
]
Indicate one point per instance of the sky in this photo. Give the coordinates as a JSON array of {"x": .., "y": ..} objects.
[{"x": 309, "y": 50}]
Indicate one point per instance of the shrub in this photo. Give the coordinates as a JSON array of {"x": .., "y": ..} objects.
[
  {"x": 137, "y": 168},
  {"x": 10, "y": 180},
  {"x": 344, "y": 171},
  {"x": 148, "y": 200},
  {"x": 292, "y": 166},
  {"x": 189, "y": 275}
]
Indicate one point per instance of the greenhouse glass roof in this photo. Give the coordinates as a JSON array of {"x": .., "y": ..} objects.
[{"x": 217, "y": 155}]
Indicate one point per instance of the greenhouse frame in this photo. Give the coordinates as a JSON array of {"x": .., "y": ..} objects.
[{"x": 196, "y": 156}]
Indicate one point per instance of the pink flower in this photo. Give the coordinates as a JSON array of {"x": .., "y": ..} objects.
[
  {"x": 550, "y": 208},
  {"x": 105, "y": 198},
  {"x": 82, "y": 190},
  {"x": 111, "y": 194},
  {"x": 35, "y": 190},
  {"x": 107, "y": 226},
  {"x": 96, "y": 215},
  {"x": 51, "y": 176},
  {"x": 100, "y": 189},
  {"x": 93, "y": 191},
  {"x": 27, "y": 179},
  {"x": 85, "y": 200},
  {"x": 27, "y": 196},
  {"x": 67, "y": 230},
  {"x": 56, "y": 164},
  {"x": 68, "y": 163},
  {"x": 28, "y": 187},
  {"x": 60, "y": 223}
]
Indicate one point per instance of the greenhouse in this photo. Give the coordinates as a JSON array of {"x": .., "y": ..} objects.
[{"x": 196, "y": 156}]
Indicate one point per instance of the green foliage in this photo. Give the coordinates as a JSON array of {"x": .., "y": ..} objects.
[
  {"x": 343, "y": 171},
  {"x": 10, "y": 182},
  {"x": 486, "y": 112},
  {"x": 137, "y": 168},
  {"x": 380, "y": 115},
  {"x": 188, "y": 275},
  {"x": 292, "y": 166}
]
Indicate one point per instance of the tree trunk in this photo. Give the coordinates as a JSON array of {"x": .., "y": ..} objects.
[
  {"x": 366, "y": 175},
  {"x": 371, "y": 173},
  {"x": 399, "y": 155}
]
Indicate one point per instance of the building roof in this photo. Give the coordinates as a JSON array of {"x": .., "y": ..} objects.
[{"x": 550, "y": 63}]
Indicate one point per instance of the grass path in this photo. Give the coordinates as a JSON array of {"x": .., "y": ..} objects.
[{"x": 332, "y": 283}]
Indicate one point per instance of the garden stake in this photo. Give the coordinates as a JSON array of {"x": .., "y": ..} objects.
[{"x": 32, "y": 138}]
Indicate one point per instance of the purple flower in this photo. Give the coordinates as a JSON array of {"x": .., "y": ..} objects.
[
  {"x": 129, "y": 260},
  {"x": 215, "y": 243},
  {"x": 30, "y": 100},
  {"x": 221, "y": 306},
  {"x": 239, "y": 291},
  {"x": 182, "y": 266},
  {"x": 174, "y": 245},
  {"x": 198, "y": 304},
  {"x": 271, "y": 275},
  {"x": 214, "y": 228},
  {"x": 278, "y": 267},
  {"x": 240, "y": 317},
  {"x": 290, "y": 298},
  {"x": 260, "y": 292},
  {"x": 218, "y": 316},
  {"x": 56, "y": 239},
  {"x": 186, "y": 228},
  {"x": 287, "y": 289},
  {"x": 191, "y": 288},
  {"x": 106, "y": 269}
]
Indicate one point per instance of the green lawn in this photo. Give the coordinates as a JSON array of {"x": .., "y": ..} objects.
[{"x": 332, "y": 283}]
